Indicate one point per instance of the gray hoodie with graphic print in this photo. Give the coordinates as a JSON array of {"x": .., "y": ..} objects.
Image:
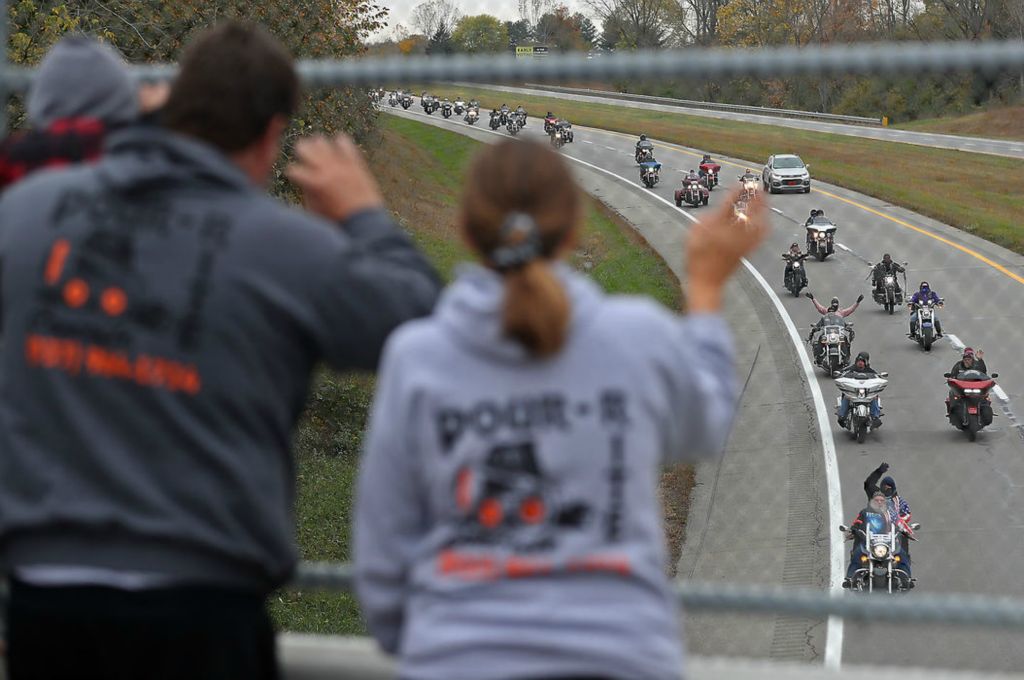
[{"x": 507, "y": 522}]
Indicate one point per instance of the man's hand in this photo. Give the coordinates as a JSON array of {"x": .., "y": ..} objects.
[
  {"x": 860, "y": 298},
  {"x": 716, "y": 245},
  {"x": 883, "y": 468},
  {"x": 979, "y": 354},
  {"x": 333, "y": 177},
  {"x": 809, "y": 295}
]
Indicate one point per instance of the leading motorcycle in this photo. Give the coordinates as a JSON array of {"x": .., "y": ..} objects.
[
  {"x": 693, "y": 193},
  {"x": 968, "y": 406},
  {"x": 795, "y": 275},
  {"x": 881, "y": 556},
  {"x": 860, "y": 389}
]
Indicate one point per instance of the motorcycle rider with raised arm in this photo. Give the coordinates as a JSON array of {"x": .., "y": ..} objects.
[
  {"x": 897, "y": 506},
  {"x": 971, "y": 361},
  {"x": 862, "y": 364},
  {"x": 876, "y": 516},
  {"x": 924, "y": 295},
  {"x": 885, "y": 268},
  {"x": 833, "y": 309},
  {"x": 791, "y": 256}
]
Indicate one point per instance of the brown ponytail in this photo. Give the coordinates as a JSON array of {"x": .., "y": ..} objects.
[{"x": 514, "y": 177}]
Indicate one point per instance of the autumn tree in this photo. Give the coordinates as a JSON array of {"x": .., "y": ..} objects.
[
  {"x": 637, "y": 24},
  {"x": 480, "y": 34}
]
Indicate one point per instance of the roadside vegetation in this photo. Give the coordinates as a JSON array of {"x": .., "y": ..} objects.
[
  {"x": 421, "y": 171},
  {"x": 1005, "y": 122},
  {"x": 966, "y": 190}
]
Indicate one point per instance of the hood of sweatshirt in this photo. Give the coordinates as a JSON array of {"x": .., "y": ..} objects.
[
  {"x": 139, "y": 158},
  {"x": 82, "y": 78},
  {"x": 471, "y": 309}
]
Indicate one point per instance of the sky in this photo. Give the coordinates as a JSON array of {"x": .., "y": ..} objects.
[{"x": 401, "y": 10}]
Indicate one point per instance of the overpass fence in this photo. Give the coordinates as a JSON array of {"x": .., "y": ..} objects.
[{"x": 887, "y": 59}]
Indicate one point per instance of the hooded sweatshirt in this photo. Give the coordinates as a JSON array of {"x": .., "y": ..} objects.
[
  {"x": 161, "y": 318},
  {"x": 81, "y": 90},
  {"x": 507, "y": 522}
]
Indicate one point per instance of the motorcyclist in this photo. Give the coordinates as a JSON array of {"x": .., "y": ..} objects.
[
  {"x": 749, "y": 176},
  {"x": 862, "y": 364},
  {"x": 885, "y": 268},
  {"x": 791, "y": 256},
  {"x": 971, "y": 361},
  {"x": 521, "y": 112},
  {"x": 831, "y": 312},
  {"x": 923, "y": 295},
  {"x": 815, "y": 214},
  {"x": 899, "y": 509},
  {"x": 874, "y": 515}
]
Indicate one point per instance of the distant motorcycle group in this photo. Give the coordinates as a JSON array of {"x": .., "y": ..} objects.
[
  {"x": 696, "y": 186},
  {"x": 512, "y": 120}
]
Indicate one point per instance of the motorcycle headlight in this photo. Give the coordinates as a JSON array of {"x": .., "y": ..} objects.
[
  {"x": 971, "y": 390},
  {"x": 880, "y": 551},
  {"x": 861, "y": 393}
]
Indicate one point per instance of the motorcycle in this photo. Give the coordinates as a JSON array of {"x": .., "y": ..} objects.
[
  {"x": 709, "y": 171},
  {"x": 926, "y": 323},
  {"x": 495, "y": 121},
  {"x": 460, "y": 107},
  {"x": 557, "y": 138},
  {"x": 795, "y": 276},
  {"x": 549, "y": 123},
  {"x": 881, "y": 558},
  {"x": 968, "y": 406},
  {"x": 644, "y": 154},
  {"x": 860, "y": 389},
  {"x": 833, "y": 351},
  {"x": 692, "y": 193},
  {"x": 513, "y": 125},
  {"x": 504, "y": 113},
  {"x": 393, "y": 99},
  {"x": 472, "y": 116},
  {"x": 750, "y": 185},
  {"x": 406, "y": 101},
  {"x": 821, "y": 237},
  {"x": 891, "y": 295},
  {"x": 446, "y": 110},
  {"x": 649, "y": 172}
]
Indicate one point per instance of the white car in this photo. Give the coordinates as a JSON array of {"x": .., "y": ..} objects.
[{"x": 786, "y": 172}]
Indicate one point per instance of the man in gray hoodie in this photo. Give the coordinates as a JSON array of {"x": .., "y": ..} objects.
[{"x": 161, "y": 317}]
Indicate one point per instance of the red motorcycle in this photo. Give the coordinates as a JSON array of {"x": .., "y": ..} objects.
[
  {"x": 549, "y": 124},
  {"x": 693, "y": 192},
  {"x": 709, "y": 172},
  {"x": 968, "y": 406}
]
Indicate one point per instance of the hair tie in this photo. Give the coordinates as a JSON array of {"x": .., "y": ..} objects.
[{"x": 519, "y": 242}]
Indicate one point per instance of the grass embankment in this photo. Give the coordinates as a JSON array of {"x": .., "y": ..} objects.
[
  {"x": 1002, "y": 123},
  {"x": 421, "y": 171},
  {"x": 973, "y": 192}
]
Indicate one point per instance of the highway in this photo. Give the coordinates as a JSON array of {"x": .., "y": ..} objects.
[
  {"x": 762, "y": 513},
  {"x": 995, "y": 147}
]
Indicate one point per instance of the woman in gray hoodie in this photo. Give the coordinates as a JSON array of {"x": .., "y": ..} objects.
[{"x": 507, "y": 523}]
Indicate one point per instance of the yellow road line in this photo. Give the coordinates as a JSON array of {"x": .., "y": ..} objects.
[{"x": 920, "y": 230}]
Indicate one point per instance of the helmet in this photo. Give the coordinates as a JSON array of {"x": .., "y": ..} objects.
[
  {"x": 888, "y": 487},
  {"x": 924, "y": 287},
  {"x": 834, "y": 303},
  {"x": 865, "y": 357},
  {"x": 886, "y": 258},
  {"x": 707, "y": 157},
  {"x": 794, "y": 245},
  {"x": 643, "y": 138}
]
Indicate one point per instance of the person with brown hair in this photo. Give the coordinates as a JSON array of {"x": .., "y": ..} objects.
[
  {"x": 507, "y": 521},
  {"x": 162, "y": 315}
]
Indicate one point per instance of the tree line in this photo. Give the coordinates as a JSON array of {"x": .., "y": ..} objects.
[{"x": 439, "y": 27}]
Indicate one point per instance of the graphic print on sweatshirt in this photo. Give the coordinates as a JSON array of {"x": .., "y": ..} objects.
[
  {"x": 509, "y": 514},
  {"x": 95, "y": 304}
]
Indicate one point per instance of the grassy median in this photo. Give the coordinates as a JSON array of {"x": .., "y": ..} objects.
[
  {"x": 973, "y": 192},
  {"x": 421, "y": 171}
]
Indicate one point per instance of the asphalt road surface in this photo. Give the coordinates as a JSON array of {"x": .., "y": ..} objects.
[
  {"x": 762, "y": 513},
  {"x": 995, "y": 147}
]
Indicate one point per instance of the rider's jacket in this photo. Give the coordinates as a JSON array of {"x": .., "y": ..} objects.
[
  {"x": 503, "y": 514},
  {"x": 920, "y": 298},
  {"x": 958, "y": 367}
]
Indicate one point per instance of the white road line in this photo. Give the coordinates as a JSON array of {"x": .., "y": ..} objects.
[
  {"x": 777, "y": 211},
  {"x": 999, "y": 392},
  {"x": 834, "y": 630},
  {"x": 956, "y": 342},
  {"x": 586, "y": 141},
  {"x": 611, "y": 148},
  {"x": 843, "y": 247}
]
